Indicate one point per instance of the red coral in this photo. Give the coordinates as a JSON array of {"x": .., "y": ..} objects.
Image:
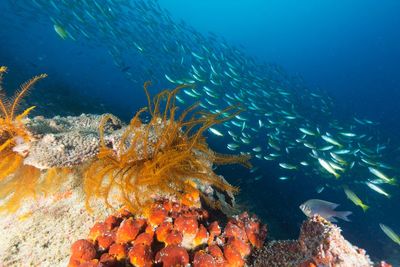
[
  {"x": 119, "y": 251},
  {"x": 83, "y": 250},
  {"x": 106, "y": 240},
  {"x": 233, "y": 256},
  {"x": 172, "y": 256},
  {"x": 144, "y": 238},
  {"x": 97, "y": 230},
  {"x": 173, "y": 238},
  {"x": 233, "y": 230},
  {"x": 201, "y": 236},
  {"x": 202, "y": 259},
  {"x": 157, "y": 216},
  {"x": 140, "y": 255},
  {"x": 127, "y": 231},
  {"x": 163, "y": 230},
  {"x": 186, "y": 224},
  {"x": 178, "y": 235}
]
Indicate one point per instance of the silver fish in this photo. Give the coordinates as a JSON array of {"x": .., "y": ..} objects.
[{"x": 325, "y": 209}]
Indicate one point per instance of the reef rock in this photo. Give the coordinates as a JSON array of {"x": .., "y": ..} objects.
[
  {"x": 320, "y": 244},
  {"x": 64, "y": 141}
]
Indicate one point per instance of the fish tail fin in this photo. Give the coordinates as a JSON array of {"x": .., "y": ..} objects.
[
  {"x": 364, "y": 207},
  {"x": 393, "y": 181},
  {"x": 343, "y": 215},
  {"x": 337, "y": 175}
]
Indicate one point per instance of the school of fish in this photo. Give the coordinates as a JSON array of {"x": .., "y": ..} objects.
[{"x": 282, "y": 120}]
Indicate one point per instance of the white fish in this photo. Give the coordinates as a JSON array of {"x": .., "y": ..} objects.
[
  {"x": 348, "y": 134},
  {"x": 342, "y": 151},
  {"x": 325, "y": 209},
  {"x": 169, "y": 78},
  {"x": 306, "y": 131},
  {"x": 382, "y": 176},
  {"x": 328, "y": 167},
  {"x": 215, "y": 132},
  {"x": 319, "y": 189},
  {"x": 287, "y": 166},
  {"x": 331, "y": 140},
  {"x": 390, "y": 233},
  {"x": 377, "y": 189}
]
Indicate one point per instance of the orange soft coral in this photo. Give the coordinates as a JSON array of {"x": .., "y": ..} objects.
[
  {"x": 167, "y": 156},
  {"x": 17, "y": 180},
  {"x": 11, "y": 125}
]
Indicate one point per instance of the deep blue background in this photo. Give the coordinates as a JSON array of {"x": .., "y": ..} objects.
[{"x": 349, "y": 48}]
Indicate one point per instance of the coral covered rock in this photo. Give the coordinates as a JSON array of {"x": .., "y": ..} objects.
[
  {"x": 66, "y": 141},
  {"x": 320, "y": 244},
  {"x": 171, "y": 234}
]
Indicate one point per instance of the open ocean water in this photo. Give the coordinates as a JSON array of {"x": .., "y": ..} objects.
[{"x": 319, "y": 81}]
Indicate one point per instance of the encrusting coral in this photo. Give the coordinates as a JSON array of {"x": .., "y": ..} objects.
[
  {"x": 172, "y": 234},
  {"x": 165, "y": 157},
  {"x": 320, "y": 244},
  {"x": 66, "y": 141}
]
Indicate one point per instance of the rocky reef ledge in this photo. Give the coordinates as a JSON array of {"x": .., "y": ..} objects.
[
  {"x": 320, "y": 244},
  {"x": 56, "y": 229}
]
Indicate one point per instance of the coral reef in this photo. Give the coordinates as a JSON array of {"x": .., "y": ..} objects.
[
  {"x": 320, "y": 244},
  {"x": 159, "y": 176},
  {"x": 132, "y": 164},
  {"x": 171, "y": 234}
]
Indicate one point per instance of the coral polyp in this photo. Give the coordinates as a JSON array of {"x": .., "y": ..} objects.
[{"x": 167, "y": 156}]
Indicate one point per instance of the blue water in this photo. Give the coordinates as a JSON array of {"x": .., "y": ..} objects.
[{"x": 350, "y": 50}]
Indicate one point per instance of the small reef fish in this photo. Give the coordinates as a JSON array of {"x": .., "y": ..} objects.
[
  {"x": 306, "y": 131},
  {"x": 325, "y": 209},
  {"x": 377, "y": 189},
  {"x": 215, "y": 132},
  {"x": 319, "y": 189},
  {"x": 355, "y": 199},
  {"x": 328, "y": 167},
  {"x": 382, "y": 176},
  {"x": 331, "y": 140},
  {"x": 287, "y": 166},
  {"x": 60, "y": 31},
  {"x": 390, "y": 233}
]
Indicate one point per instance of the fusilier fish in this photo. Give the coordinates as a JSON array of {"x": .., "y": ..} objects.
[
  {"x": 390, "y": 233},
  {"x": 328, "y": 167},
  {"x": 287, "y": 166},
  {"x": 215, "y": 132},
  {"x": 355, "y": 199},
  {"x": 377, "y": 189},
  {"x": 382, "y": 176},
  {"x": 331, "y": 140}
]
